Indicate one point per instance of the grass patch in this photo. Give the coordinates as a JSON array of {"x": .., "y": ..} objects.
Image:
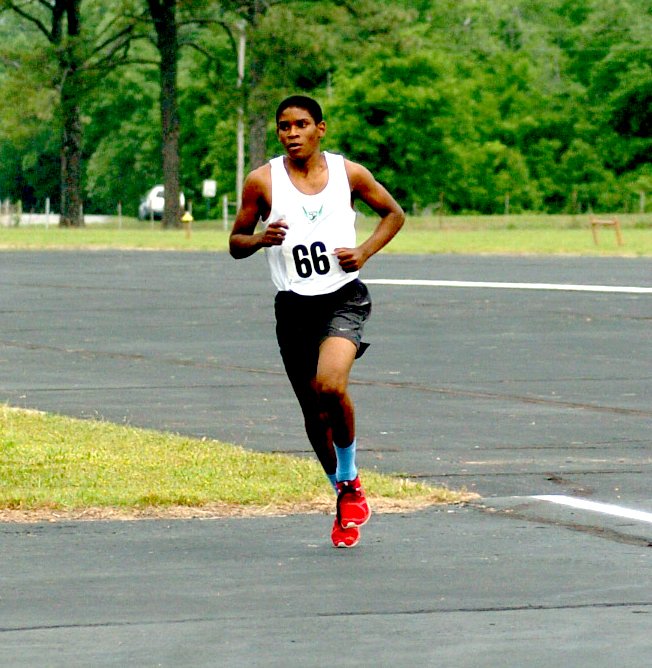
[
  {"x": 526, "y": 234},
  {"x": 638, "y": 243},
  {"x": 500, "y": 235},
  {"x": 51, "y": 463},
  {"x": 109, "y": 237}
]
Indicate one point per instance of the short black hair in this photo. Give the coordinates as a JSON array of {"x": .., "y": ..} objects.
[{"x": 301, "y": 102}]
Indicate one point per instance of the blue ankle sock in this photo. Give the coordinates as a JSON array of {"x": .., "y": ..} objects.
[
  {"x": 333, "y": 480},
  {"x": 346, "y": 468}
]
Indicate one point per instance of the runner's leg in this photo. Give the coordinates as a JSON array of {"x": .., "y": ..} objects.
[
  {"x": 316, "y": 422},
  {"x": 336, "y": 357}
]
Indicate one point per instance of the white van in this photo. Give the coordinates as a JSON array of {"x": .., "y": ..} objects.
[{"x": 154, "y": 203}]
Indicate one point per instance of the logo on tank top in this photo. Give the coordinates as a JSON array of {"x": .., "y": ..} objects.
[{"x": 312, "y": 215}]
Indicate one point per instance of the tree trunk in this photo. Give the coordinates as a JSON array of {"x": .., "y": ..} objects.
[
  {"x": 258, "y": 109},
  {"x": 164, "y": 17},
  {"x": 258, "y": 138},
  {"x": 71, "y": 167},
  {"x": 71, "y": 131}
]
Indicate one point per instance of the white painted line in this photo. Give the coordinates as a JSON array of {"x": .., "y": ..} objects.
[
  {"x": 604, "y": 508},
  {"x": 634, "y": 290}
]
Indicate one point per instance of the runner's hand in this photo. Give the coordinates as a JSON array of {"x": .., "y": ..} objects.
[
  {"x": 350, "y": 259},
  {"x": 274, "y": 234}
]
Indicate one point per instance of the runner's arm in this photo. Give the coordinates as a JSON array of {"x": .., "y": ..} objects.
[
  {"x": 365, "y": 188},
  {"x": 244, "y": 240}
]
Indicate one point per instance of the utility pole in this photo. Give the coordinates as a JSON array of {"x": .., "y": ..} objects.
[{"x": 239, "y": 178}]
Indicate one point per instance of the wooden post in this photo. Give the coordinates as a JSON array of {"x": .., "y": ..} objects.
[
  {"x": 441, "y": 209},
  {"x": 619, "y": 237},
  {"x": 594, "y": 232},
  {"x": 605, "y": 222}
]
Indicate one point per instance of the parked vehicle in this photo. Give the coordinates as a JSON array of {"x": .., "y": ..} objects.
[{"x": 154, "y": 203}]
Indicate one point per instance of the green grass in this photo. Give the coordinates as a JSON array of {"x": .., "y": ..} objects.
[
  {"x": 522, "y": 242},
  {"x": 511, "y": 235},
  {"x": 104, "y": 236},
  {"x": 53, "y": 462}
]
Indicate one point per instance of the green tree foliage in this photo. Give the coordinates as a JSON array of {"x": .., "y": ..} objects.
[
  {"x": 124, "y": 131},
  {"x": 487, "y": 104},
  {"x": 29, "y": 150},
  {"x": 56, "y": 61}
]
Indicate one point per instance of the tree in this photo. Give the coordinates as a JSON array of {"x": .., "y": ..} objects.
[
  {"x": 472, "y": 98},
  {"x": 164, "y": 18},
  {"x": 123, "y": 137},
  {"x": 394, "y": 121},
  {"x": 168, "y": 23},
  {"x": 60, "y": 22},
  {"x": 292, "y": 45}
]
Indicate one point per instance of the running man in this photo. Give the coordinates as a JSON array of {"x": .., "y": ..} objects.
[{"x": 304, "y": 201}]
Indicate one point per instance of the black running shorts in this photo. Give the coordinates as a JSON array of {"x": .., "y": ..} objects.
[{"x": 303, "y": 322}]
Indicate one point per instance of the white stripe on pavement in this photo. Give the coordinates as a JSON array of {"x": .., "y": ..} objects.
[
  {"x": 635, "y": 290},
  {"x": 604, "y": 508}
]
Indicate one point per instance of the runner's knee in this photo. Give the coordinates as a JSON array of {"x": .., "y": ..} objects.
[{"x": 331, "y": 388}]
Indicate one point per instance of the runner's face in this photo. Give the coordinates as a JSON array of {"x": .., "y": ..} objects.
[{"x": 299, "y": 134}]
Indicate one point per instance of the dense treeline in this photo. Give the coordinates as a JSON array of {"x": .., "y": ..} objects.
[{"x": 481, "y": 105}]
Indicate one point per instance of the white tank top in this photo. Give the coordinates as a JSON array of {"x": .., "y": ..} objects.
[{"x": 317, "y": 224}]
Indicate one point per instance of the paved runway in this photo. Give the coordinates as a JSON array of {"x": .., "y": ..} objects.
[{"x": 512, "y": 392}]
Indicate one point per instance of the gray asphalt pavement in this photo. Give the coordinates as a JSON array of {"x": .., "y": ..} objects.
[{"x": 511, "y": 393}]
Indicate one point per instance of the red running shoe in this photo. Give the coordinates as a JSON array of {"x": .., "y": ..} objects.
[
  {"x": 352, "y": 507},
  {"x": 344, "y": 537}
]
